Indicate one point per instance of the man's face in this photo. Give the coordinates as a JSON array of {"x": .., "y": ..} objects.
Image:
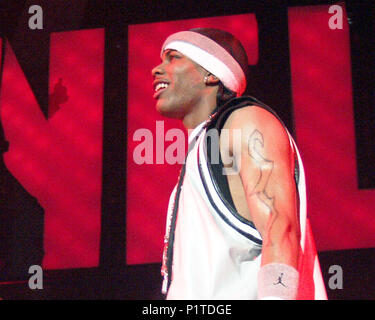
[{"x": 178, "y": 84}]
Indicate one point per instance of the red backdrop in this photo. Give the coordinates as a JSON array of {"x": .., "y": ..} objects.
[
  {"x": 59, "y": 160},
  {"x": 341, "y": 215}
]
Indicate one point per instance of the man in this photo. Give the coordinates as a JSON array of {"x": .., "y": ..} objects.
[{"x": 235, "y": 229}]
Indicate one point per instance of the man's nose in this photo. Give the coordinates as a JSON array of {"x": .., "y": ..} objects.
[{"x": 157, "y": 70}]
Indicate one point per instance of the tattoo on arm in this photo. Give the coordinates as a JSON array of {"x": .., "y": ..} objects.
[{"x": 265, "y": 166}]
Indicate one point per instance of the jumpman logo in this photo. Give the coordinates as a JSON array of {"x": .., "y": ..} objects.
[{"x": 279, "y": 281}]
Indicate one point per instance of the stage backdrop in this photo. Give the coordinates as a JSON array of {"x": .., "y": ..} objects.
[
  {"x": 58, "y": 159},
  {"x": 341, "y": 214}
]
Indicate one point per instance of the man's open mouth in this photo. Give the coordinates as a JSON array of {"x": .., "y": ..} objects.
[{"x": 159, "y": 87}]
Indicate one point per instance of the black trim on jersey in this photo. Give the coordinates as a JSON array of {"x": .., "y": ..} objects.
[
  {"x": 219, "y": 180},
  {"x": 217, "y": 122},
  {"x": 230, "y": 208},
  {"x": 221, "y": 185}
]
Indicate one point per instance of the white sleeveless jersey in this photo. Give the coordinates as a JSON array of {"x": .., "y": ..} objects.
[{"x": 216, "y": 252}]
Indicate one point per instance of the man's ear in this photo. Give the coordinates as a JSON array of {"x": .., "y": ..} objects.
[{"x": 211, "y": 80}]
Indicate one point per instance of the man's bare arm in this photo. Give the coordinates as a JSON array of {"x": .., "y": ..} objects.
[{"x": 267, "y": 174}]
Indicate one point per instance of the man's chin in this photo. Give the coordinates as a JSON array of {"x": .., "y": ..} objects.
[{"x": 167, "y": 112}]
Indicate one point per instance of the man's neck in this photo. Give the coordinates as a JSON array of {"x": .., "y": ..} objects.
[{"x": 198, "y": 114}]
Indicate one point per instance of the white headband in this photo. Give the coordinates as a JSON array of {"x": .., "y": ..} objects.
[{"x": 211, "y": 56}]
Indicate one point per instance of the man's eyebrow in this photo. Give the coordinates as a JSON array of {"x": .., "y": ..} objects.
[{"x": 167, "y": 53}]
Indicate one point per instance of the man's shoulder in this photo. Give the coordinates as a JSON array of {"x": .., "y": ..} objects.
[
  {"x": 253, "y": 116},
  {"x": 254, "y": 121}
]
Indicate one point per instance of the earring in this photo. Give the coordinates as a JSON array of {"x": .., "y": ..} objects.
[{"x": 205, "y": 79}]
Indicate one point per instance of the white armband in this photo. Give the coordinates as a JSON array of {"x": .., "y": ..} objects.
[{"x": 277, "y": 281}]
